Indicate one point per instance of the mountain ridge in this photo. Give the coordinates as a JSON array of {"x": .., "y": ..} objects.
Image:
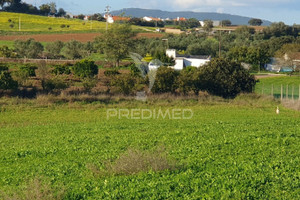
[{"x": 139, "y": 12}]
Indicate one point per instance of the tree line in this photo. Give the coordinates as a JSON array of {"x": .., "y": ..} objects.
[{"x": 23, "y": 7}]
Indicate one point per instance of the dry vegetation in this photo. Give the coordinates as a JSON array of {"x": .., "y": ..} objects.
[
  {"x": 36, "y": 189},
  {"x": 134, "y": 161}
]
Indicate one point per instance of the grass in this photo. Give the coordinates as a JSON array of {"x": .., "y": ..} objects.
[
  {"x": 10, "y": 44},
  {"x": 237, "y": 149},
  {"x": 265, "y": 86}
]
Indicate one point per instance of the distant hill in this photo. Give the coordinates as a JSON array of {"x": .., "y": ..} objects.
[{"x": 138, "y": 12}]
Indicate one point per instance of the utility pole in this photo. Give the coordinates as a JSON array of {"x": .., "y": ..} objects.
[
  {"x": 19, "y": 23},
  {"x": 167, "y": 40},
  {"x": 220, "y": 44},
  {"x": 107, "y": 10}
]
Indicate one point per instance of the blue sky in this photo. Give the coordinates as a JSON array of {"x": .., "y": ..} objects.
[{"x": 287, "y": 11}]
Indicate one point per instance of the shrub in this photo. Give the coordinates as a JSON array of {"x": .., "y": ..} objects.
[
  {"x": 89, "y": 83},
  {"x": 165, "y": 80},
  {"x": 11, "y": 25},
  {"x": 134, "y": 70},
  {"x": 7, "y": 82},
  {"x": 125, "y": 83},
  {"x": 186, "y": 81},
  {"x": 3, "y": 67},
  {"x": 134, "y": 161},
  {"x": 62, "y": 26},
  {"x": 29, "y": 48},
  {"x": 53, "y": 49},
  {"x": 61, "y": 69},
  {"x": 21, "y": 76},
  {"x": 6, "y": 52},
  {"x": 73, "y": 49},
  {"x": 111, "y": 72},
  {"x": 57, "y": 83},
  {"x": 50, "y": 28},
  {"x": 226, "y": 78},
  {"x": 30, "y": 69},
  {"x": 85, "y": 68}
]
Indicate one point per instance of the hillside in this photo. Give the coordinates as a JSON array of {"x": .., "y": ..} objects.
[
  {"x": 34, "y": 23},
  {"x": 137, "y": 12}
]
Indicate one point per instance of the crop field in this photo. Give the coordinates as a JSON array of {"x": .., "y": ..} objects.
[
  {"x": 34, "y": 23},
  {"x": 289, "y": 83},
  {"x": 237, "y": 149},
  {"x": 20, "y": 24}
]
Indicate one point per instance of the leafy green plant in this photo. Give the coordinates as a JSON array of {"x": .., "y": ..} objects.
[
  {"x": 165, "y": 80},
  {"x": 225, "y": 78},
  {"x": 29, "y": 68},
  {"x": 7, "y": 82},
  {"x": 85, "y": 68},
  {"x": 62, "y": 69},
  {"x": 111, "y": 72},
  {"x": 125, "y": 83}
]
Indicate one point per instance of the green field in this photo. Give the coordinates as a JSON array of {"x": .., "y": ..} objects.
[
  {"x": 35, "y": 23},
  {"x": 9, "y": 22},
  {"x": 238, "y": 149},
  {"x": 265, "y": 86}
]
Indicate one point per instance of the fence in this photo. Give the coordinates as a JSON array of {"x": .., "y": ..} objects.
[{"x": 281, "y": 92}]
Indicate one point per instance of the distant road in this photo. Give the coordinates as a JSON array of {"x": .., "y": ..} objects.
[{"x": 82, "y": 37}]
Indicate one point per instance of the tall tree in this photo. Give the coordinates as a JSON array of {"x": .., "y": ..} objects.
[
  {"x": 117, "y": 41},
  {"x": 208, "y": 25},
  {"x": 255, "y": 22},
  {"x": 45, "y": 9},
  {"x": 52, "y": 8},
  {"x": 226, "y": 22}
]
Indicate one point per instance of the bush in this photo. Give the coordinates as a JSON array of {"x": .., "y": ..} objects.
[
  {"x": 165, "y": 80},
  {"x": 53, "y": 49},
  {"x": 125, "y": 83},
  {"x": 21, "y": 76},
  {"x": 7, "y": 82},
  {"x": 111, "y": 72},
  {"x": 61, "y": 69},
  {"x": 57, "y": 83},
  {"x": 6, "y": 52},
  {"x": 30, "y": 69},
  {"x": 89, "y": 83},
  {"x": 73, "y": 49},
  {"x": 187, "y": 81},
  {"x": 3, "y": 67},
  {"x": 225, "y": 78},
  {"x": 85, "y": 68},
  {"x": 62, "y": 26},
  {"x": 29, "y": 48}
]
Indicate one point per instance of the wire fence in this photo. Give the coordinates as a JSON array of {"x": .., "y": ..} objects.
[{"x": 291, "y": 92}]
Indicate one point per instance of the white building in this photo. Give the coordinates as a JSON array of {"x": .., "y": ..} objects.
[
  {"x": 215, "y": 23},
  {"x": 183, "y": 61},
  {"x": 109, "y": 19},
  {"x": 147, "y": 19}
]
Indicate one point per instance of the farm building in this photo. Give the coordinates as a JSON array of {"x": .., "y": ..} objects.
[{"x": 182, "y": 61}]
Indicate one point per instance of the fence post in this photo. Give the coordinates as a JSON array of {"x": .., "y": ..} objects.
[
  {"x": 272, "y": 91},
  {"x": 287, "y": 92},
  {"x": 281, "y": 97},
  {"x": 293, "y": 92}
]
